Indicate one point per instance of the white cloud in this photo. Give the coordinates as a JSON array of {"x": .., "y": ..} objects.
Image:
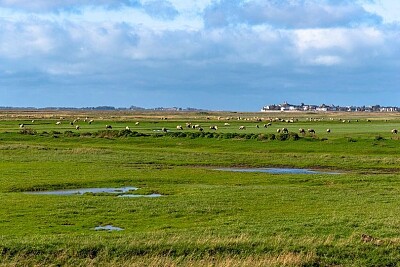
[
  {"x": 253, "y": 47},
  {"x": 389, "y": 10},
  {"x": 289, "y": 14}
]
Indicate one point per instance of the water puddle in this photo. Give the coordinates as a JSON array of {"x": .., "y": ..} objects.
[
  {"x": 276, "y": 170},
  {"x": 82, "y": 191},
  {"x": 132, "y": 195},
  {"x": 108, "y": 228}
]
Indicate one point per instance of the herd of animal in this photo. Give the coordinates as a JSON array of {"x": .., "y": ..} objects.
[{"x": 283, "y": 130}]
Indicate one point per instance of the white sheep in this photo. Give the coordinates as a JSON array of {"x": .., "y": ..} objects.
[{"x": 214, "y": 127}]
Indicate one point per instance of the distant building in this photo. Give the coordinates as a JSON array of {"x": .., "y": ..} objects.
[{"x": 285, "y": 106}]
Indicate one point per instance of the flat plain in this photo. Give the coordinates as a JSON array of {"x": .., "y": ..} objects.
[{"x": 204, "y": 216}]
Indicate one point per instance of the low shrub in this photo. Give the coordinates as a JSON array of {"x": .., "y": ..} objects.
[{"x": 28, "y": 131}]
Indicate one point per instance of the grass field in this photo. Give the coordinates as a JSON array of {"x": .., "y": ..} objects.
[{"x": 205, "y": 217}]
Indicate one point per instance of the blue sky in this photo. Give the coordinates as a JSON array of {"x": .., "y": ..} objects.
[{"x": 212, "y": 54}]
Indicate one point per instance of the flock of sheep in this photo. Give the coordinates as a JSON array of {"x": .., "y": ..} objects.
[{"x": 215, "y": 127}]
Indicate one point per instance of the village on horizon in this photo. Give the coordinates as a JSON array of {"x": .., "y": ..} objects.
[{"x": 285, "y": 106}]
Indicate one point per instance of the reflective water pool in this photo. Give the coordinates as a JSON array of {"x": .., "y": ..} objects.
[
  {"x": 276, "y": 170},
  {"x": 108, "y": 228},
  {"x": 81, "y": 191}
]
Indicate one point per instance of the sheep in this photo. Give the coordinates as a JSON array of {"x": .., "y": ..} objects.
[
  {"x": 242, "y": 128},
  {"x": 226, "y": 124},
  {"x": 77, "y": 127},
  {"x": 265, "y": 126},
  {"x": 108, "y": 126},
  {"x": 188, "y": 125},
  {"x": 164, "y": 130},
  {"x": 278, "y": 130},
  {"x": 269, "y": 124},
  {"x": 33, "y": 121},
  {"x": 257, "y": 126},
  {"x": 137, "y": 123},
  {"x": 179, "y": 127},
  {"x": 285, "y": 130},
  {"x": 127, "y": 128},
  {"x": 311, "y": 131},
  {"x": 302, "y": 131},
  {"x": 394, "y": 131},
  {"x": 21, "y": 125},
  {"x": 328, "y": 130},
  {"x": 58, "y": 122},
  {"x": 71, "y": 123},
  {"x": 90, "y": 122},
  {"x": 200, "y": 129},
  {"x": 214, "y": 127}
]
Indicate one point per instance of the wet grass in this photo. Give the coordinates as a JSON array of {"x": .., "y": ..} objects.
[{"x": 204, "y": 217}]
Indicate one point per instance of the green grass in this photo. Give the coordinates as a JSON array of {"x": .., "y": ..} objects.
[{"x": 205, "y": 216}]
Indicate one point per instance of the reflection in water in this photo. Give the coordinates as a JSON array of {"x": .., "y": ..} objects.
[
  {"x": 82, "y": 191},
  {"x": 276, "y": 170},
  {"x": 108, "y": 228}
]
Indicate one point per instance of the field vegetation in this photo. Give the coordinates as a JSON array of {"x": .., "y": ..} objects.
[{"x": 205, "y": 216}]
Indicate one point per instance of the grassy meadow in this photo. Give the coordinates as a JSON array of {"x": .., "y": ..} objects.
[{"x": 205, "y": 216}]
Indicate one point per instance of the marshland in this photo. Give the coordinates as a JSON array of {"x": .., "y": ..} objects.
[{"x": 344, "y": 213}]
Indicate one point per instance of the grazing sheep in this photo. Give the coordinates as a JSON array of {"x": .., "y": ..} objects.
[
  {"x": 71, "y": 123},
  {"x": 21, "y": 125},
  {"x": 285, "y": 130},
  {"x": 201, "y": 129},
  {"x": 269, "y": 124},
  {"x": 265, "y": 126},
  {"x": 188, "y": 125},
  {"x": 58, "y": 122},
  {"x": 108, "y": 126},
  {"x": 90, "y": 122},
  {"x": 242, "y": 128},
  {"x": 196, "y": 126},
  {"x": 77, "y": 127},
  {"x": 33, "y": 121},
  {"x": 394, "y": 131},
  {"x": 137, "y": 123},
  {"x": 257, "y": 126},
  {"x": 214, "y": 127},
  {"x": 164, "y": 130},
  {"x": 226, "y": 124},
  {"x": 278, "y": 130},
  {"x": 328, "y": 130},
  {"x": 179, "y": 127},
  {"x": 302, "y": 131},
  {"x": 127, "y": 128},
  {"x": 311, "y": 131}
]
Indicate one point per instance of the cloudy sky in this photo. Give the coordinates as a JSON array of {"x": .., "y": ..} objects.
[{"x": 212, "y": 54}]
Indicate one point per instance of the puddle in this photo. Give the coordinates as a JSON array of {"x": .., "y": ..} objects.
[
  {"x": 276, "y": 170},
  {"x": 108, "y": 228},
  {"x": 132, "y": 195},
  {"x": 82, "y": 191}
]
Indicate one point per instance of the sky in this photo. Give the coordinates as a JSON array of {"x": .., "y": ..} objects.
[{"x": 236, "y": 55}]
